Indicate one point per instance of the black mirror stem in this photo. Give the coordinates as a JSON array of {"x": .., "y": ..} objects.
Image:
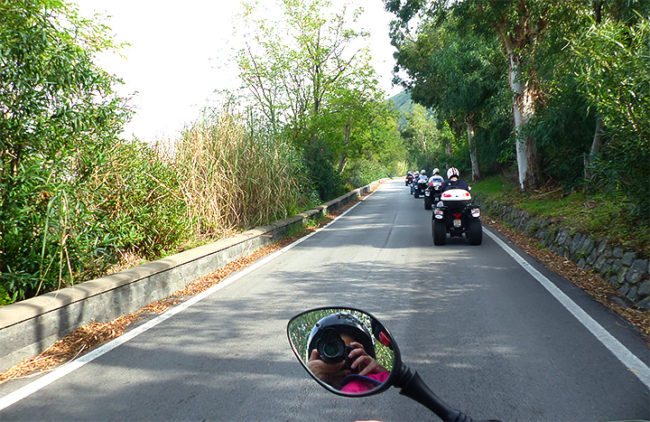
[{"x": 413, "y": 387}]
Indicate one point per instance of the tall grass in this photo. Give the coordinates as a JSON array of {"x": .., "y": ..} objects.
[
  {"x": 222, "y": 175},
  {"x": 231, "y": 177}
]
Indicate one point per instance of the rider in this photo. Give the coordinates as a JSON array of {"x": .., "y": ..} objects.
[
  {"x": 416, "y": 176},
  {"x": 352, "y": 370},
  {"x": 423, "y": 176},
  {"x": 436, "y": 176},
  {"x": 453, "y": 181}
]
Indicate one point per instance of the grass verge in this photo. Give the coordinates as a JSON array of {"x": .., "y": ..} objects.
[{"x": 601, "y": 215}]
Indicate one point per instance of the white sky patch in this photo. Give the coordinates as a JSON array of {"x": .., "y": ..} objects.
[{"x": 180, "y": 54}]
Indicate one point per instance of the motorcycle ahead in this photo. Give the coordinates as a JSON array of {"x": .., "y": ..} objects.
[
  {"x": 420, "y": 187},
  {"x": 324, "y": 348}
]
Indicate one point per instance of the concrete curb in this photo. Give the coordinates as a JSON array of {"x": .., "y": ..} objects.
[{"x": 29, "y": 327}]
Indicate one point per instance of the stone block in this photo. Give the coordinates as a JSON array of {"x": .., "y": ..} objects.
[
  {"x": 577, "y": 241},
  {"x": 636, "y": 271},
  {"x": 601, "y": 247},
  {"x": 617, "y": 252},
  {"x": 628, "y": 258},
  {"x": 616, "y": 267},
  {"x": 632, "y": 294},
  {"x": 600, "y": 263},
  {"x": 623, "y": 289},
  {"x": 644, "y": 289},
  {"x": 592, "y": 257},
  {"x": 587, "y": 246},
  {"x": 613, "y": 280},
  {"x": 645, "y": 303}
]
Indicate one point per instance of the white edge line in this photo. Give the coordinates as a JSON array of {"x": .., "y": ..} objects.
[
  {"x": 29, "y": 389},
  {"x": 627, "y": 358}
]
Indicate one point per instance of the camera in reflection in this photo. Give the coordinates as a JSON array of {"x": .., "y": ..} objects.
[{"x": 332, "y": 349}]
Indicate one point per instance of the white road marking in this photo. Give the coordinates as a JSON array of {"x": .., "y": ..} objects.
[
  {"x": 64, "y": 370},
  {"x": 627, "y": 358}
]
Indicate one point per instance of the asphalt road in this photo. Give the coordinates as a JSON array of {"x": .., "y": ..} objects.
[{"x": 483, "y": 333}]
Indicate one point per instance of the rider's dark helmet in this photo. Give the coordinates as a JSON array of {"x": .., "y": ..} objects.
[{"x": 336, "y": 324}]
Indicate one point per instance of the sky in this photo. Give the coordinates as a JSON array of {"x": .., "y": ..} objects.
[{"x": 180, "y": 51}]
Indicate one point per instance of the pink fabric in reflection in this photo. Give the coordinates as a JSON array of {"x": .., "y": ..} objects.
[{"x": 362, "y": 383}]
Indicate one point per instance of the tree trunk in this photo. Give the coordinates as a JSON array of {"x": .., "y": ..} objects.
[
  {"x": 346, "y": 141},
  {"x": 523, "y": 107},
  {"x": 596, "y": 144},
  {"x": 472, "y": 148}
]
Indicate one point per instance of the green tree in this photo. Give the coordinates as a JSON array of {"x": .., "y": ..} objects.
[
  {"x": 613, "y": 69},
  {"x": 291, "y": 67},
  {"x": 312, "y": 79},
  {"x": 520, "y": 25},
  {"x": 456, "y": 75},
  {"x": 58, "y": 117}
]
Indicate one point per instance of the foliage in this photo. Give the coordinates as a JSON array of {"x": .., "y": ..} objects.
[
  {"x": 572, "y": 65},
  {"x": 318, "y": 159},
  {"x": 579, "y": 211},
  {"x": 364, "y": 171},
  {"x": 312, "y": 80},
  {"x": 58, "y": 118},
  {"x": 290, "y": 65},
  {"x": 614, "y": 74},
  {"x": 138, "y": 198}
]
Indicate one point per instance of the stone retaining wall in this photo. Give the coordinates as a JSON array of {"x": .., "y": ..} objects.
[{"x": 621, "y": 268}]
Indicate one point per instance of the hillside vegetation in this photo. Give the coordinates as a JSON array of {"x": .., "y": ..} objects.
[{"x": 554, "y": 93}]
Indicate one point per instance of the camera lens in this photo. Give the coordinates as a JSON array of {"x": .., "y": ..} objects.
[{"x": 331, "y": 348}]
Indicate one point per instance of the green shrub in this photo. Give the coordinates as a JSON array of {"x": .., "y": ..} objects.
[{"x": 138, "y": 198}]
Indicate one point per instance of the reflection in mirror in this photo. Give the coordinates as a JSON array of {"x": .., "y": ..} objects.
[{"x": 346, "y": 350}]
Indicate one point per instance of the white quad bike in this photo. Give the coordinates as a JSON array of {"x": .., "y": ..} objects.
[{"x": 455, "y": 215}]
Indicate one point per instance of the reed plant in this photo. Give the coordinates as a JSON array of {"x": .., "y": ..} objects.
[{"x": 232, "y": 176}]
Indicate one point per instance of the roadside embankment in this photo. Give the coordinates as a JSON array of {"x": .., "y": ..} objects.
[
  {"x": 622, "y": 269},
  {"x": 29, "y": 327}
]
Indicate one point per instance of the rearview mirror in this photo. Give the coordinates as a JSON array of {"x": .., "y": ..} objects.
[{"x": 346, "y": 350}]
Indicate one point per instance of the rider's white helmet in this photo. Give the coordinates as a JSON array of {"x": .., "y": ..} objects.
[
  {"x": 436, "y": 171},
  {"x": 452, "y": 172}
]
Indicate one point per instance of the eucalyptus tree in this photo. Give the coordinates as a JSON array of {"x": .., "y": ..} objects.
[
  {"x": 456, "y": 74},
  {"x": 519, "y": 25}
]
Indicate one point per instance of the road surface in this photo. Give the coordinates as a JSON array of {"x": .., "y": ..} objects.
[{"x": 484, "y": 333}]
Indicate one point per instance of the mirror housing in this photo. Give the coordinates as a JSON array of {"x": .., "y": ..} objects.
[{"x": 353, "y": 372}]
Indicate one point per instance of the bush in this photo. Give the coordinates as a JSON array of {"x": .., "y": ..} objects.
[
  {"x": 137, "y": 197},
  {"x": 364, "y": 171},
  {"x": 58, "y": 118}
]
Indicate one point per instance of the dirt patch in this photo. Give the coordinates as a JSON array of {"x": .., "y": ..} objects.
[{"x": 587, "y": 280}]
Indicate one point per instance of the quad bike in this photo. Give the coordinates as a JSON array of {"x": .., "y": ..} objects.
[
  {"x": 456, "y": 216},
  {"x": 432, "y": 194}
]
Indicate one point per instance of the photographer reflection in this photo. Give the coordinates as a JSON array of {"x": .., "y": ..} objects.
[{"x": 341, "y": 353}]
